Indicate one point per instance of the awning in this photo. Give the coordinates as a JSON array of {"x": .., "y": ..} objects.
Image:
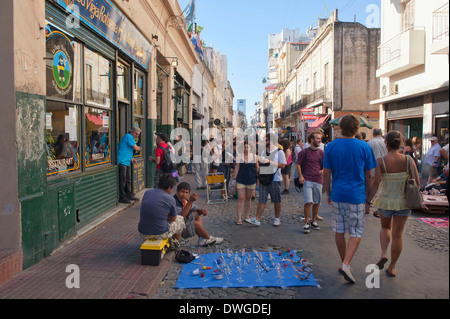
[
  {"x": 196, "y": 115},
  {"x": 318, "y": 123}
]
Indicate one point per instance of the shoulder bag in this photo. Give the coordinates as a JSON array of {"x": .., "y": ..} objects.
[{"x": 414, "y": 198}]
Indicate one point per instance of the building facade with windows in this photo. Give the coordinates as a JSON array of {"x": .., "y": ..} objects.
[
  {"x": 77, "y": 76},
  {"x": 413, "y": 69},
  {"x": 334, "y": 75}
]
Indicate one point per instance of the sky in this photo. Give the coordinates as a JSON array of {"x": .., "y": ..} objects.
[{"x": 240, "y": 30}]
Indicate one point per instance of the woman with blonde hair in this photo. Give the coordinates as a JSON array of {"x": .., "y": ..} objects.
[{"x": 389, "y": 181}]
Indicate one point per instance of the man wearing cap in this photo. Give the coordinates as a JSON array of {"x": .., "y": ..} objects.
[
  {"x": 161, "y": 145},
  {"x": 127, "y": 146},
  {"x": 432, "y": 159}
]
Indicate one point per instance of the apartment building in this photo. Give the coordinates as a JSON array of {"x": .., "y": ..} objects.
[
  {"x": 333, "y": 76},
  {"x": 413, "y": 69}
]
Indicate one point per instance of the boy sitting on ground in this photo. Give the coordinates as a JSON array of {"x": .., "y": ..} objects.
[{"x": 192, "y": 216}]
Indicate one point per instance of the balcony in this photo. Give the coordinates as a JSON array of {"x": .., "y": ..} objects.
[
  {"x": 439, "y": 44},
  {"x": 403, "y": 52}
]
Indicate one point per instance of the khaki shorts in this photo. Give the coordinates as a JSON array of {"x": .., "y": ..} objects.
[
  {"x": 240, "y": 186},
  {"x": 175, "y": 227},
  {"x": 433, "y": 171}
]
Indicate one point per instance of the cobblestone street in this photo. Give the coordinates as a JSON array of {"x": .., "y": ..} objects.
[{"x": 424, "y": 246}]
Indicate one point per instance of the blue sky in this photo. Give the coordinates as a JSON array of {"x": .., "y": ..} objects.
[{"x": 240, "y": 29}]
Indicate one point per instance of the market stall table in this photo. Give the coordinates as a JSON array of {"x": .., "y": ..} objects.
[{"x": 435, "y": 204}]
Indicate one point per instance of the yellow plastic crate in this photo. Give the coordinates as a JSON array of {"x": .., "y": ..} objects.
[{"x": 153, "y": 251}]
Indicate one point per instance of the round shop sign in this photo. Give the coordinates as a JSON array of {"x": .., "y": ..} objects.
[
  {"x": 60, "y": 57},
  {"x": 62, "y": 71}
]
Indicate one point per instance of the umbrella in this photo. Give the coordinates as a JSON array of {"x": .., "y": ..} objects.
[{"x": 363, "y": 122}]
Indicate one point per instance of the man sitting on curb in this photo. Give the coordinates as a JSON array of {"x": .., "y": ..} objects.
[
  {"x": 159, "y": 218},
  {"x": 192, "y": 216}
]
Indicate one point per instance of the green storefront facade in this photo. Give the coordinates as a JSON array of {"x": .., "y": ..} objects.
[
  {"x": 96, "y": 90},
  {"x": 77, "y": 76}
]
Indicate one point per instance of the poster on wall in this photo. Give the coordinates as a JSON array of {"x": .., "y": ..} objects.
[{"x": 59, "y": 69}]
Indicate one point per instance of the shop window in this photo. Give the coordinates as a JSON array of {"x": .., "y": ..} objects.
[
  {"x": 122, "y": 81},
  {"x": 97, "y": 138},
  {"x": 138, "y": 105},
  {"x": 186, "y": 109},
  {"x": 62, "y": 137},
  {"x": 442, "y": 131},
  {"x": 139, "y": 122},
  {"x": 63, "y": 65},
  {"x": 97, "y": 79}
]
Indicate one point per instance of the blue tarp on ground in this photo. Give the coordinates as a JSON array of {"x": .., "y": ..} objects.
[{"x": 242, "y": 269}]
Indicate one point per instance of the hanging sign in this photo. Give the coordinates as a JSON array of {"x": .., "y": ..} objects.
[
  {"x": 107, "y": 20},
  {"x": 308, "y": 114}
]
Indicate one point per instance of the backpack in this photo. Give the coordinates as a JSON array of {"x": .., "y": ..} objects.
[{"x": 167, "y": 165}]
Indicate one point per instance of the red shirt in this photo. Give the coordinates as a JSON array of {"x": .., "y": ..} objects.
[{"x": 160, "y": 153}]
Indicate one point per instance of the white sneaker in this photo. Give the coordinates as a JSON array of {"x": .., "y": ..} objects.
[
  {"x": 217, "y": 239},
  {"x": 253, "y": 221},
  {"x": 276, "y": 222},
  {"x": 347, "y": 273},
  {"x": 203, "y": 242},
  {"x": 306, "y": 228}
]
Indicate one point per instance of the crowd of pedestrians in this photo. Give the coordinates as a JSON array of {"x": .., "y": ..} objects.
[{"x": 354, "y": 174}]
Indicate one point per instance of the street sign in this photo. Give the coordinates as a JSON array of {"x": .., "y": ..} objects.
[{"x": 308, "y": 114}]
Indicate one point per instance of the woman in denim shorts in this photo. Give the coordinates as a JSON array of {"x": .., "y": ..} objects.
[{"x": 389, "y": 182}]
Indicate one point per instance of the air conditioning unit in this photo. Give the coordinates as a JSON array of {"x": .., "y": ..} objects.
[
  {"x": 394, "y": 89},
  {"x": 384, "y": 87}
]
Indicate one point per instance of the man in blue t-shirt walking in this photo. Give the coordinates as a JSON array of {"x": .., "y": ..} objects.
[
  {"x": 127, "y": 146},
  {"x": 348, "y": 163}
]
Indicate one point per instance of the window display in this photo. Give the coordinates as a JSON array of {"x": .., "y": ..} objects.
[
  {"x": 97, "y": 138},
  {"x": 62, "y": 135}
]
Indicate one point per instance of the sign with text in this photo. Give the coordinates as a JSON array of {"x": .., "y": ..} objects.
[
  {"x": 107, "y": 20},
  {"x": 308, "y": 114}
]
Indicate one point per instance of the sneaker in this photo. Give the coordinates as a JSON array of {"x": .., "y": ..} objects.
[
  {"x": 314, "y": 225},
  {"x": 347, "y": 273},
  {"x": 247, "y": 220},
  {"x": 319, "y": 218},
  {"x": 255, "y": 222},
  {"x": 276, "y": 222},
  {"x": 306, "y": 228},
  {"x": 217, "y": 240},
  {"x": 203, "y": 242},
  {"x": 133, "y": 198}
]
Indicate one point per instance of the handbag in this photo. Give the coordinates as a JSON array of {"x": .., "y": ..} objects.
[{"x": 413, "y": 196}]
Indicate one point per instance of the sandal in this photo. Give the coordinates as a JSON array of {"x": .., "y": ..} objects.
[
  {"x": 239, "y": 223},
  {"x": 382, "y": 262},
  {"x": 390, "y": 274}
]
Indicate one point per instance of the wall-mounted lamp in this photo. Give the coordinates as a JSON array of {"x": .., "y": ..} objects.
[
  {"x": 174, "y": 62},
  {"x": 154, "y": 37},
  {"x": 179, "y": 92}
]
